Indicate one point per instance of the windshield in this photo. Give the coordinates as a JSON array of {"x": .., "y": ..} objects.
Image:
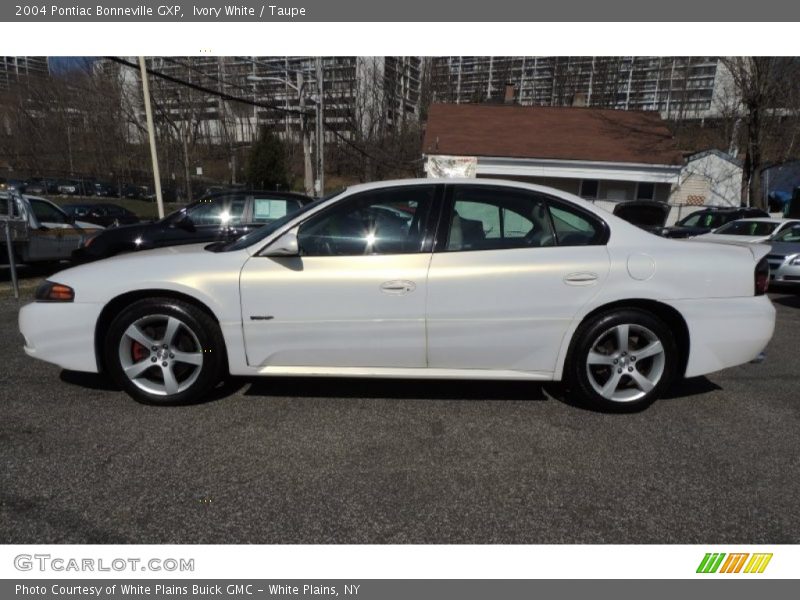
[
  {"x": 747, "y": 228},
  {"x": 703, "y": 219},
  {"x": 267, "y": 230},
  {"x": 790, "y": 234}
]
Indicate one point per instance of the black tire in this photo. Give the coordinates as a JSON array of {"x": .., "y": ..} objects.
[
  {"x": 586, "y": 382},
  {"x": 197, "y": 336}
]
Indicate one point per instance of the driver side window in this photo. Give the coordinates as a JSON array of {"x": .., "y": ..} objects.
[{"x": 389, "y": 221}]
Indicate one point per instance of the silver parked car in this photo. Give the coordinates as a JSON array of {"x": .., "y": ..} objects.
[
  {"x": 784, "y": 256},
  {"x": 42, "y": 232}
]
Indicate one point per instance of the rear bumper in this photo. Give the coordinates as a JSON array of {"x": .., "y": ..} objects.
[
  {"x": 61, "y": 333},
  {"x": 725, "y": 332}
]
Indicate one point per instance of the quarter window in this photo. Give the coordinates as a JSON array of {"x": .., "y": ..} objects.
[{"x": 575, "y": 228}]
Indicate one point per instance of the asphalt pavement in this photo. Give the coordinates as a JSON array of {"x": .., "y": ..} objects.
[{"x": 349, "y": 461}]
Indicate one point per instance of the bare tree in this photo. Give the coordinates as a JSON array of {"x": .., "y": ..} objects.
[{"x": 767, "y": 91}]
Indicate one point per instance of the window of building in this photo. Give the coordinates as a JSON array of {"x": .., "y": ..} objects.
[
  {"x": 645, "y": 191},
  {"x": 589, "y": 188}
]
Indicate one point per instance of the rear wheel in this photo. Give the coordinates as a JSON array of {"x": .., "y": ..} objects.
[
  {"x": 164, "y": 351},
  {"x": 622, "y": 360}
]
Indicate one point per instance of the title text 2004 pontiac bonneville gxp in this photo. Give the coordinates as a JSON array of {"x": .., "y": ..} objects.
[{"x": 466, "y": 279}]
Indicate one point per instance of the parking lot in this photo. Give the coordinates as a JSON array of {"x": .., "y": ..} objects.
[{"x": 346, "y": 461}]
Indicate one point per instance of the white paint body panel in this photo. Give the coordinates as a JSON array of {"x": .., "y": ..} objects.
[
  {"x": 331, "y": 311},
  {"x": 507, "y": 309},
  {"x": 505, "y": 314}
]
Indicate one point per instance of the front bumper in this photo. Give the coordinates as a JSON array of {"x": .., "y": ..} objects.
[
  {"x": 781, "y": 271},
  {"x": 61, "y": 333}
]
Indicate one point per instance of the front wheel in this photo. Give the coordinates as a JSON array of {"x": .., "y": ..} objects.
[
  {"x": 164, "y": 351},
  {"x": 622, "y": 360}
]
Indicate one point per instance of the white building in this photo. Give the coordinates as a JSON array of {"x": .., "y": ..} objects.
[
  {"x": 710, "y": 178},
  {"x": 601, "y": 155},
  {"x": 683, "y": 87}
]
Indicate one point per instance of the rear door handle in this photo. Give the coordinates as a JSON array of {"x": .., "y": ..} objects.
[
  {"x": 583, "y": 278},
  {"x": 398, "y": 287}
]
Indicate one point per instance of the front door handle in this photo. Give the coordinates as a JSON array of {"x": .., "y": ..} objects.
[
  {"x": 398, "y": 287},
  {"x": 583, "y": 278}
]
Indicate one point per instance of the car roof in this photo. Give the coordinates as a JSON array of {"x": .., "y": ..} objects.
[
  {"x": 247, "y": 192},
  {"x": 763, "y": 220}
]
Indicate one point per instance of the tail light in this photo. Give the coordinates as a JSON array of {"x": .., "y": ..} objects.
[{"x": 762, "y": 277}]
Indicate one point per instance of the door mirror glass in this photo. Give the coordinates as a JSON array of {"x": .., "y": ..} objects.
[
  {"x": 285, "y": 245},
  {"x": 185, "y": 222}
]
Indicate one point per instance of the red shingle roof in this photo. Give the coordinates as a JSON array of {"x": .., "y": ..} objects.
[{"x": 549, "y": 133}]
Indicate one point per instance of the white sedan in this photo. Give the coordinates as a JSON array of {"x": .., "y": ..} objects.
[
  {"x": 462, "y": 279},
  {"x": 751, "y": 231}
]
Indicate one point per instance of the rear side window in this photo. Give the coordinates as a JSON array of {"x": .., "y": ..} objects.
[
  {"x": 489, "y": 218},
  {"x": 493, "y": 218},
  {"x": 266, "y": 210}
]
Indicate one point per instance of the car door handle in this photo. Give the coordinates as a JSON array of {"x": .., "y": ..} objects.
[
  {"x": 398, "y": 287},
  {"x": 583, "y": 278}
]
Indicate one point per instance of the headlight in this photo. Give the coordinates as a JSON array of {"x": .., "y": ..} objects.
[
  {"x": 51, "y": 291},
  {"x": 795, "y": 262}
]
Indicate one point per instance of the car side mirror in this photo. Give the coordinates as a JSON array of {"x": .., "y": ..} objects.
[
  {"x": 184, "y": 221},
  {"x": 285, "y": 245}
]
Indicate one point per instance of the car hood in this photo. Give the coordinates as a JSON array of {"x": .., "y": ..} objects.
[
  {"x": 89, "y": 226},
  {"x": 187, "y": 269}
]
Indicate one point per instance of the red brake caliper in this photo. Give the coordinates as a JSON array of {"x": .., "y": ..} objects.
[{"x": 138, "y": 352}]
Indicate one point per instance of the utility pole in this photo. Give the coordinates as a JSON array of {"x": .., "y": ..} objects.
[
  {"x": 308, "y": 170},
  {"x": 320, "y": 183},
  {"x": 151, "y": 132}
]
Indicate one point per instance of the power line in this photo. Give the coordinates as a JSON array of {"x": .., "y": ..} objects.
[
  {"x": 276, "y": 107},
  {"x": 209, "y": 91}
]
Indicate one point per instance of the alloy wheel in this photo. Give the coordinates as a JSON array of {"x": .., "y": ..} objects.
[
  {"x": 160, "y": 354},
  {"x": 625, "y": 362}
]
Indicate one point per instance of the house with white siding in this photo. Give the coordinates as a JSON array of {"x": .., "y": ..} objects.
[
  {"x": 709, "y": 178},
  {"x": 605, "y": 156}
]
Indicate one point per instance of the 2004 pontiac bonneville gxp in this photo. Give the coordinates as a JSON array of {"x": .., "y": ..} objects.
[{"x": 467, "y": 279}]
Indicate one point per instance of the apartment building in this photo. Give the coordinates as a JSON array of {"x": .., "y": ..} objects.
[{"x": 678, "y": 87}]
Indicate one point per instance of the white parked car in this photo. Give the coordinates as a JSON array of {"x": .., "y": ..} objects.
[
  {"x": 751, "y": 231},
  {"x": 462, "y": 279}
]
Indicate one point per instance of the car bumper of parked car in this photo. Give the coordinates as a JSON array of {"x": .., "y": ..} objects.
[
  {"x": 714, "y": 344},
  {"x": 784, "y": 273},
  {"x": 61, "y": 333}
]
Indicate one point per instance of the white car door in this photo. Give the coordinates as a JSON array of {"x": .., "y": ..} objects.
[
  {"x": 510, "y": 271},
  {"x": 355, "y": 297}
]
